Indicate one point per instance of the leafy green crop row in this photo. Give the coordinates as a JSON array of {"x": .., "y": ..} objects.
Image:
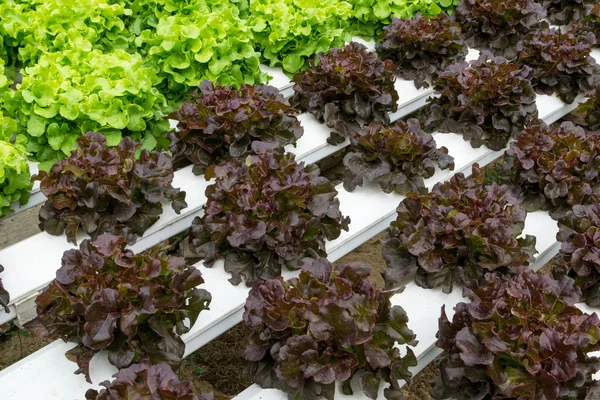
[{"x": 117, "y": 67}]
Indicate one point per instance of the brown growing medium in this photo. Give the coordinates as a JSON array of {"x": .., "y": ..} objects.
[
  {"x": 16, "y": 344},
  {"x": 220, "y": 363}
]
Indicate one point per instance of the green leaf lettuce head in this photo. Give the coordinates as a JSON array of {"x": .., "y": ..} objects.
[
  {"x": 265, "y": 212},
  {"x": 14, "y": 26},
  {"x": 328, "y": 325},
  {"x": 488, "y": 101},
  {"x": 288, "y": 32},
  {"x": 82, "y": 25},
  {"x": 562, "y": 62},
  {"x": 398, "y": 157},
  {"x": 185, "y": 49},
  {"x": 556, "y": 168},
  {"x": 133, "y": 306},
  {"x": 143, "y": 380},
  {"x": 70, "y": 93},
  {"x": 421, "y": 47},
  {"x": 107, "y": 189},
  {"x": 219, "y": 123},
  {"x": 15, "y": 185},
  {"x": 579, "y": 235},
  {"x": 346, "y": 87},
  {"x": 456, "y": 233},
  {"x": 519, "y": 337},
  {"x": 370, "y": 16}
]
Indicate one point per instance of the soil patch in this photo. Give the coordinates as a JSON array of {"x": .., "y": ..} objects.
[
  {"x": 16, "y": 344},
  {"x": 220, "y": 363}
]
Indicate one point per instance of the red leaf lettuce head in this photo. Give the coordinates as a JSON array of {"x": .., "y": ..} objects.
[
  {"x": 587, "y": 114},
  {"x": 489, "y": 101},
  {"x": 590, "y": 22},
  {"x": 220, "y": 123},
  {"x": 133, "y": 306},
  {"x": 346, "y": 87},
  {"x": 4, "y": 296},
  {"x": 563, "y": 12},
  {"x": 456, "y": 233},
  {"x": 398, "y": 157},
  {"x": 519, "y": 337},
  {"x": 421, "y": 47},
  {"x": 497, "y": 25},
  {"x": 327, "y": 325},
  {"x": 579, "y": 234},
  {"x": 556, "y": 168},
  {"x": 562, "y": 62},
  {"x": 265, "y": 212},
  {"x": 107, "y": 189},
  {"x": 146, "y": 381}
]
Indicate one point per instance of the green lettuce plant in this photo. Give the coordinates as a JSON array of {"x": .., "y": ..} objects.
[
  {"x": 288, "y": 32},
  {"x": 14, "y": 26},
  {"x": 15, "y": 185},
  {"x": 69, "y": 93},
  {"x": 186, "y": 48},
  {"x": 81, "y": 25},
  {"x": 370, "y": 16}
]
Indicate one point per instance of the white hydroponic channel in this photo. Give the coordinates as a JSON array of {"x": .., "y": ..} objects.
[{"x": 35, "y": 260}]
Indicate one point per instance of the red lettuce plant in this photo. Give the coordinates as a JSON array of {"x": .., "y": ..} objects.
[
  {"x": 421, "y": 47},
  {"x": 556, "y": 168},
  {"x": 497, "y": 25},
  {"x": 590, "y": 22},
  {"x": 587, "y": 114},
  {"x": 219, "y": 123},
  {"x": 346, "y": 87},
  {"x": 456, "y": 233},
  {"x": 146, "y": 381},
  {"x": 4, "y": 296},
  {"x": 563, "y": 12},
  {"x": 562, "y": 62},
  {"x": 489, "y": 101},
  {"x": 579, "y": 234},
  {"x": 329, "y": 324},
  {"x": 133, "y": 306},
  {"x": 265, "y": 212},
  {"x": 398, "y": 157},
  {"x": 107, "y": 189},
  {"x": 520, "y": 337}
]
